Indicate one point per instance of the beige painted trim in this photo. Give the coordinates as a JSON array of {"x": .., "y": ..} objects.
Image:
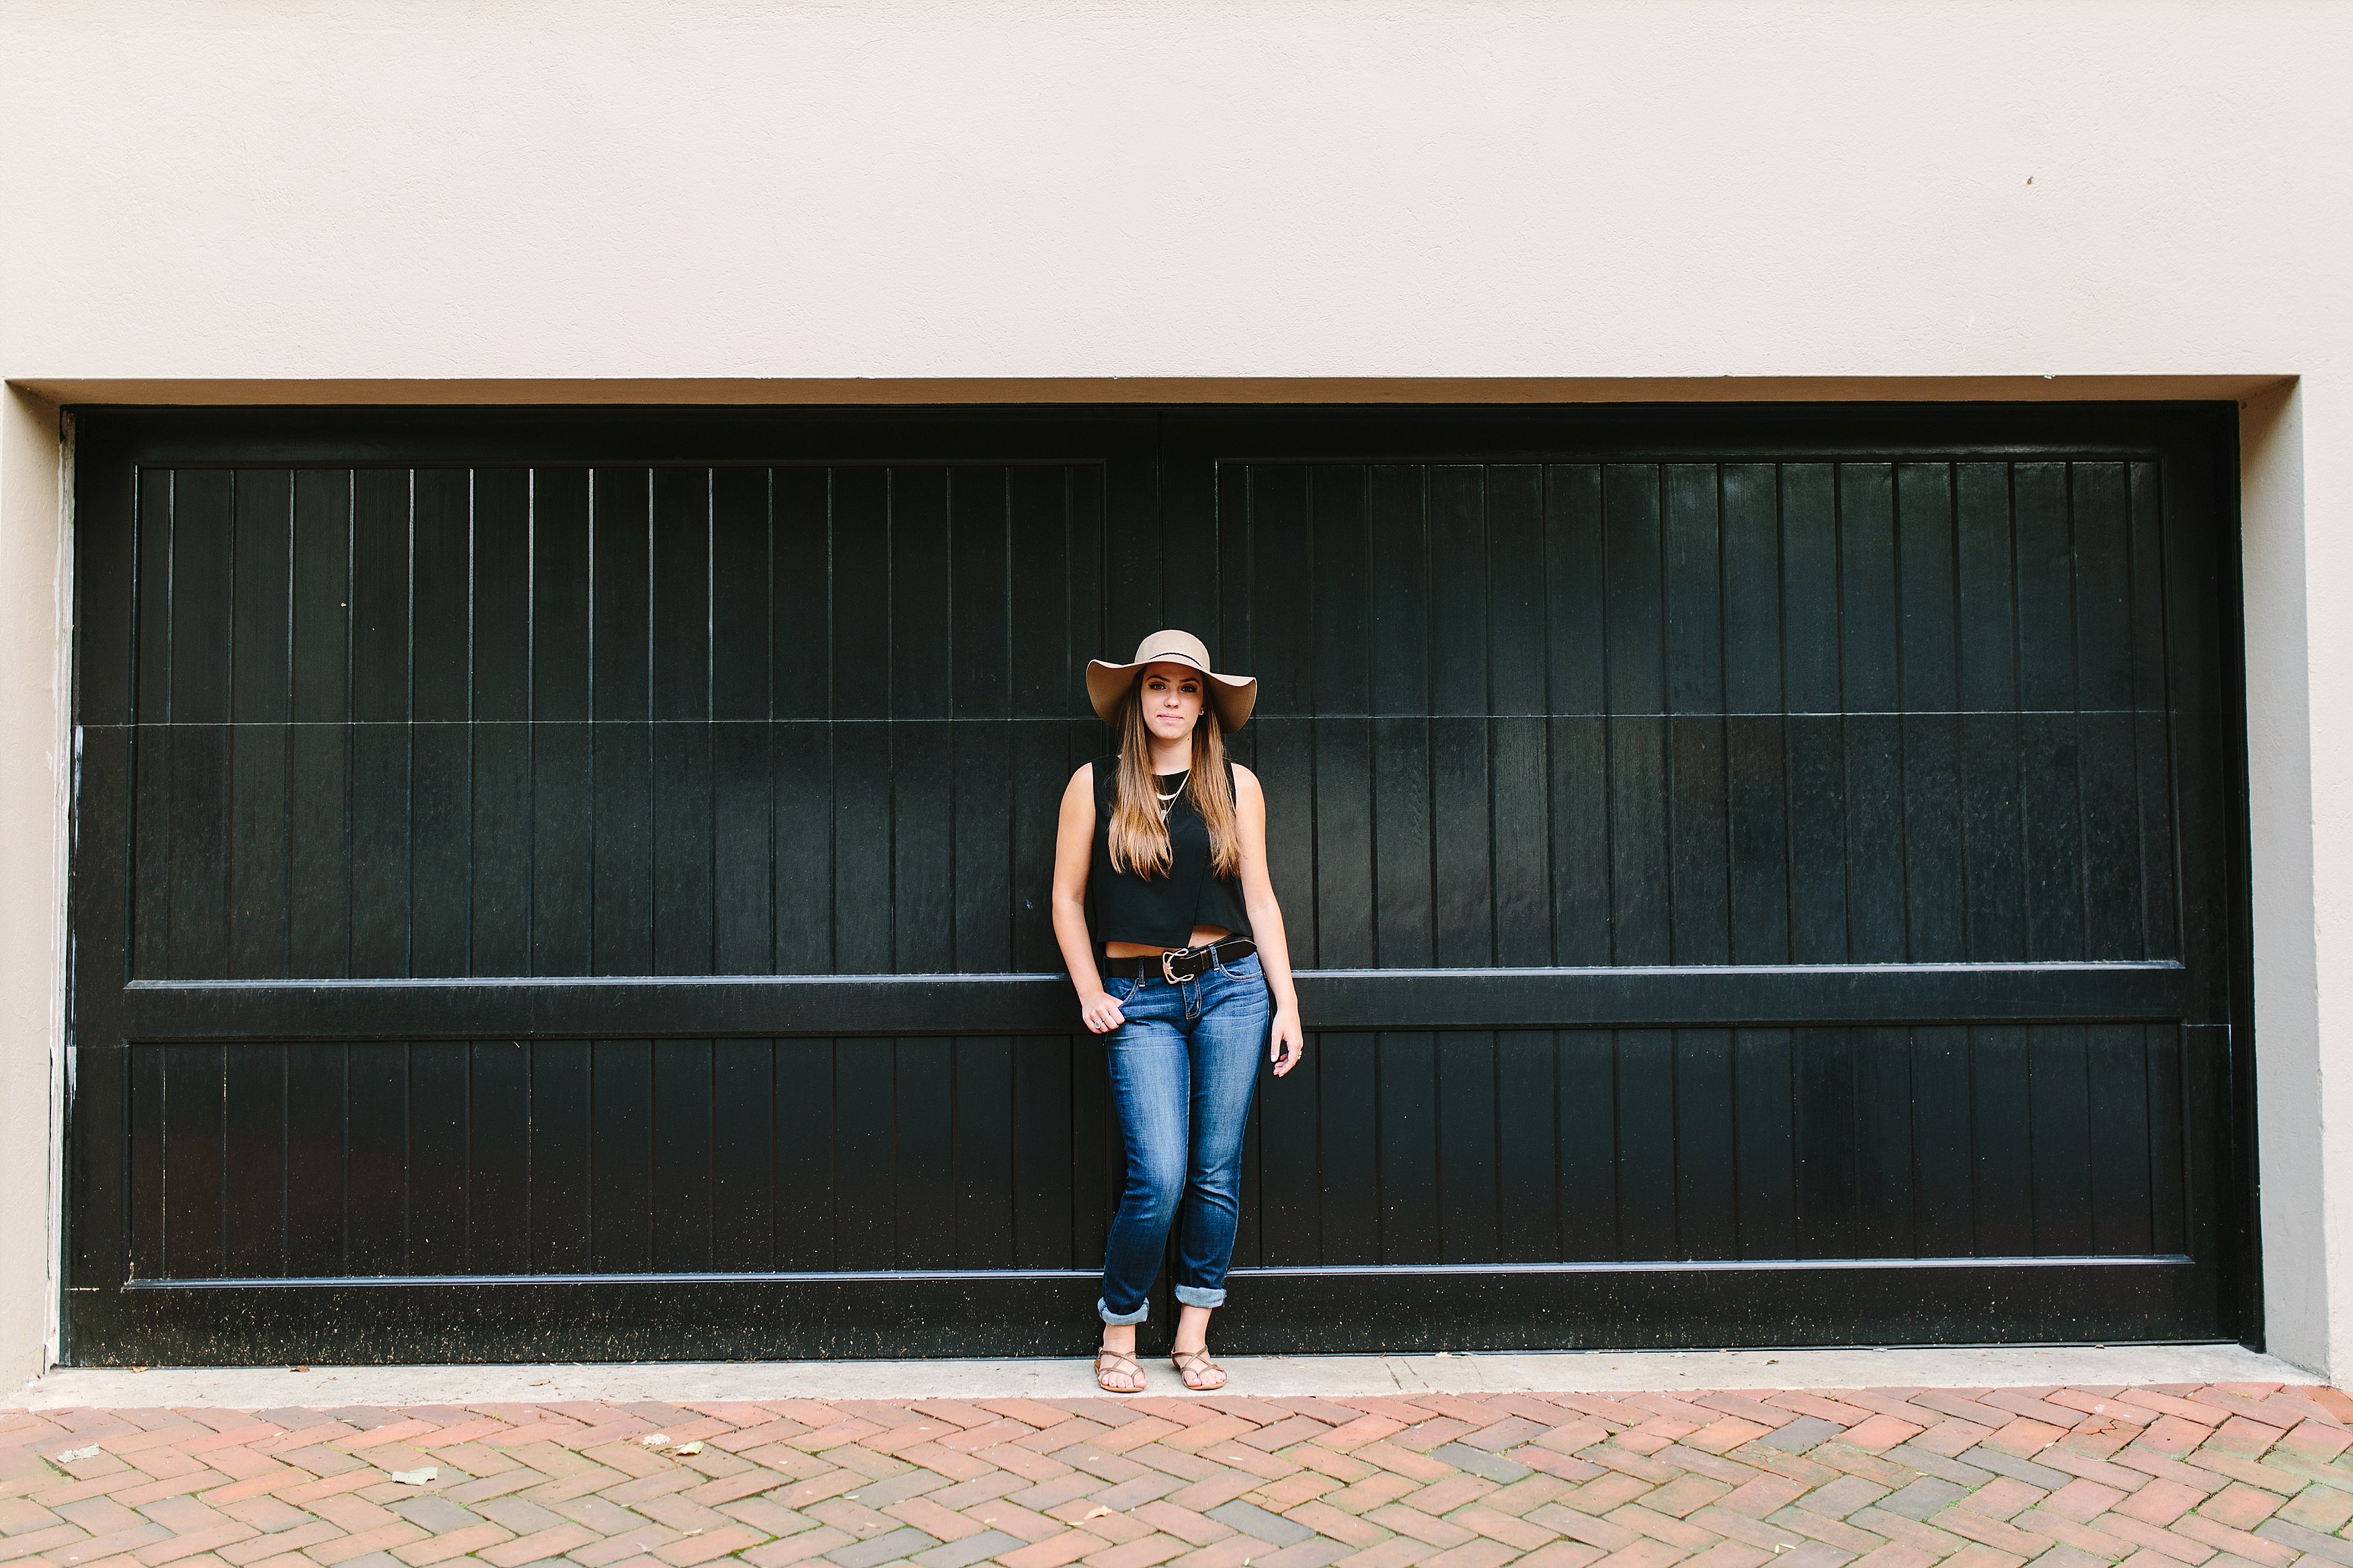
[{"x": 68, "y": 391}]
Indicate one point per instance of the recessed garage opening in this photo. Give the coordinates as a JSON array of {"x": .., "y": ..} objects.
[{"x": 570, "y": 884}]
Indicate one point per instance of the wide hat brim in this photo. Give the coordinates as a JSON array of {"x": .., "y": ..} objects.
[{"x": 1233, "y": 696}]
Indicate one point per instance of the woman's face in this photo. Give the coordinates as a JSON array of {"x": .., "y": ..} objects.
[{"x": 1171, "y": 697}]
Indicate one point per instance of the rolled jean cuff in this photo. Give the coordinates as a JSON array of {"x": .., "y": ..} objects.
[
  {"x": 1117, "y": 1319},
  {"x": 1200, "y": 1295}
]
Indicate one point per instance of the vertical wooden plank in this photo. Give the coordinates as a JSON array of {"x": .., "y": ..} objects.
[
  {"x": 743, "y": 1197},
  {"x": 862, "y": 914},
  {"x": 1520, "y": 784},
  {"x": 743, "y": 875},
  {"x": 1467, "y": 1215},
  {"x": 2161, "y": 915},
  {"x": 380, "y": 704},
  {"x": 1409, "y": 1149},
  {"x": 562, "y": 846},
  {"x": 1403, "y": 905},
  {"x": 865, "y": 1154},
  {"x": 1749, "y": 496},
  {"x": 2109, "y": 773},
  {"x": 622, "y": 812},
  {"x": 1823, "y": 1070},
  {"x": 501, "y": 787},
  {"x": 1874, "y": 838},
  {"x": 1707, "y": 1129},
  {"x": 923, "y": 845},
  {"x": 1341, "y": 591},
  {"x": 2116, "y": 1060},
  {"x": 1698, "y": 813},
  {"x": 1286, "y": 771},
  {"x": 1646, "y": 1144},
  {"x": 1694, "y": 597},
  {"x": 1281, "y": 557},
  {"x": 680, "y": 600},
  {"x": 1580, "y": 837},
  {"x": 1766, "y": 1150},
  {"x": 1992, "y": 830},
  {"x": 622, "y": 584},
  {"x": 2050, "y": 772},
  {"x": 438, "y": 1138},
  {"x": 1633, "y": 593},
  {"x": 1044, "y": 1224},
  {"x": 1586, "y": 1079},
  {"x": 1347, "y": 1168},
  {"x": 318, "y": 854},
  {"x": 921, "y": 677},
  {"x": 1344, "y": 895},
  {"x": 562, "y": 1159},
  {"x": 741, "y": 582},
  {"x": 2046, "y": 616},
  {"x": 441, "y": 760},
  {"x": 807, "y": 1183},
  {"x": 684, "y": 870},
  {"x": 1934, "y": 878},
  {"x": 1818, "y": 846},
  {"x": 800, "y": 593},
  {"x": 375, "y": 1168},
  {"x": 2060, "y": 1096},
  {"x": 621, "y": 1124},
  {"x": 1575, "y": 607},
  {"x": 803, "y": 829},
  {"x": 1527, "y": 1175},
  {"x": 683, "y": 1155},
  {"x": 253, "y": 1148},
  {"x": 982, "y": 1179},
  {"x": 1041, "y": 769},
  {"x": 150, "y": 744},
  {"x": 1046, "y": 668},
  {"x": 1810, "y": 641},
  {"x": 987, "y": 896},
  {"x": 202, "y": 588},
  {"x": 1286, "y": 1214},
  {"x": 1518, "y": 661},
  {"x": 259, "y": 701},
  {"x": 2002, "y": 1140},
  {"x": 2169, "y": 1216},
  {"x": 1942, "y": 1135},
  {"x": 1641, "y": 913},
  {"x": 1756, "y": 807},
  {"x": 316, "y": 1144},
  {"x": 924, "y": 1178},
  {"x": 1885, "y": 1178},
  {"x": 498, "y": 1158},
  {"x": 1869, "y": 637},
  {"x": 1460, "y": 842},
  {"x": 147, "y": 1119}
]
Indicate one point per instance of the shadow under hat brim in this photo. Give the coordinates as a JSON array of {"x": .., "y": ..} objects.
[{"x": 1234, "y": 695}]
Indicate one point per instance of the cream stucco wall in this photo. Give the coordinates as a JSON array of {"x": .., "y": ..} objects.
[{"x": 1515, "y": 196}]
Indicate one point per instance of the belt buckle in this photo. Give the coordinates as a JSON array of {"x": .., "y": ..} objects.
[{"x": 1169, "y": 964}]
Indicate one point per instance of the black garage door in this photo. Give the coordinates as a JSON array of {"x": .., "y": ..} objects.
[{"x": 570, "y": 884}]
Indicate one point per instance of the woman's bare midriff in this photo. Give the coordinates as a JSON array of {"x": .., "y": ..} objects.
[{"x": 1201, "y": 935}]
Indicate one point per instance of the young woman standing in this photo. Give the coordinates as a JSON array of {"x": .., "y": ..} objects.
[{"x": 1182, "y": 964}]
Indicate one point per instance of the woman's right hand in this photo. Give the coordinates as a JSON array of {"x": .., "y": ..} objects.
[{"x": 1102, "y": 1012}]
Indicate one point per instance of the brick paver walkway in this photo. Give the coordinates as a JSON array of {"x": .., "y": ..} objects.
[{"x": 2211, "y": 1476}]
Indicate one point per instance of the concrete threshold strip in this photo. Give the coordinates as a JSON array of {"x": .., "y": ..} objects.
[{"x": 1273, "y": 1377}]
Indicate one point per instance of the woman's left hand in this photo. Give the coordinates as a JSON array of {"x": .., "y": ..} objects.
[{"x": 1285, "y": 1044}]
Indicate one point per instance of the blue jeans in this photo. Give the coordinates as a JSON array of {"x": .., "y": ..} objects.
[{"x": 1184, "y": 1066}]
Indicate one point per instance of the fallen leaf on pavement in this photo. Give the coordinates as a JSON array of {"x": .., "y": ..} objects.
[{"x": 415, "y": 1477}]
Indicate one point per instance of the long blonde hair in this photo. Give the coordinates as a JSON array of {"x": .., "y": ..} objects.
[{"x": 1138, "y": 837}]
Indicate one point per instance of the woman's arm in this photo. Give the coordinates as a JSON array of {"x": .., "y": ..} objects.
[
  {"x": 1286, "y": 1042},
  {"x": 1074, "y": 846}
]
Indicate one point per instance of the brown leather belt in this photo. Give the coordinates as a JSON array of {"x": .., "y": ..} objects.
[{"x": 1180, "y": 963}]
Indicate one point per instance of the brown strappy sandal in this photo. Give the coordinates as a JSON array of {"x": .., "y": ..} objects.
[
  {"x": 1110, "y": 1363},
  {"x": 1192, "y": 1365}
]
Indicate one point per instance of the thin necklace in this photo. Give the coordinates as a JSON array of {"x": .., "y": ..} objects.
[{"x": 1169, "y": 800}]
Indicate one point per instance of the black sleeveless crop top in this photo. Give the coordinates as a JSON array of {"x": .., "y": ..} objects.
[{"x": 1163, "y": 911}]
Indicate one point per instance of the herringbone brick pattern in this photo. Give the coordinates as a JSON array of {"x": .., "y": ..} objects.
[{"x": 2209, "y": 1477}]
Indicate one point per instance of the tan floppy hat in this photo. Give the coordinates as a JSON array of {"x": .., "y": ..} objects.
[{"x": 1234, "y": 695}]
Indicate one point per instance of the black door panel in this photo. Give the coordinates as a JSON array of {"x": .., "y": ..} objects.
[{"x": 572, "y": 883}]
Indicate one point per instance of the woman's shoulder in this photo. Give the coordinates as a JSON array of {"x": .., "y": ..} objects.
[{"x": 1243, "y": 777}]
